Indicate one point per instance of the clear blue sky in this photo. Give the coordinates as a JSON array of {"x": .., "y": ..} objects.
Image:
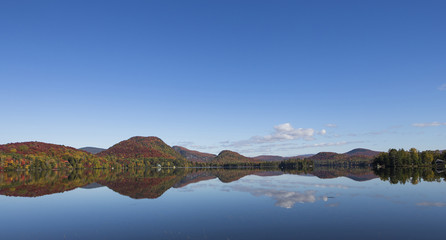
[{"x": 214, "y": 75}]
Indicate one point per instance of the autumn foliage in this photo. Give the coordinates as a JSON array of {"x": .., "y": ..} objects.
[
  {"x": 39, "y": 155},
  {"x": 143, "y": 152},
  {"x": 136, "y": 152},
  {"x": 227, "y": 156},
  {"x": 141, "y": 147}
]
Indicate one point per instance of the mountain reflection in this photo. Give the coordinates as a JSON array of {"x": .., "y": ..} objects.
[
  {"x": 139, "y": 184},
  {"x": 152, "y": 183}
]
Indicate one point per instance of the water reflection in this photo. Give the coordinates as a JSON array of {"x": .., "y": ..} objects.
[
  {"x": 410, "y": 175},
  {"x": 35, "y": 184},
  {"x": 151, "y": 183},
  {"x": 432, "y": 204},
  {"x": 285, "y": 199},
  {"x": 223, "y": 204}
]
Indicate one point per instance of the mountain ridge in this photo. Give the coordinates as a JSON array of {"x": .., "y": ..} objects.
[
  {"x": 92, "y": 150},
  {"x": 194, "y": 156},
  {"x": 362, "y": 152},
  {"x": 135, "y": 151},
  {"x": 227, "y": 156},
  {"x": 141, "y": 147}
]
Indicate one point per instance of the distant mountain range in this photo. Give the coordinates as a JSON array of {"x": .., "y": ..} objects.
[
  {"x": 142, "y": 149},
  {"x": 226, "y": 156},
  {"x": 194, "y": 156},
  {"x": 269, "y": 158},
  {"x": 355, "y": 155},
  {"x": 92, "y": 150},
  {"x": 147, "y": 147},
  {"x": 273, "y": 158}
]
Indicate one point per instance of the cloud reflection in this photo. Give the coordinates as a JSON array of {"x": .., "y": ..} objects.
[
  {"x": 284, "y": 199},
  {"x": 432, "y": 204},
  {"x": 281, "y": 183},
  {"x": 332, "y": 205}
]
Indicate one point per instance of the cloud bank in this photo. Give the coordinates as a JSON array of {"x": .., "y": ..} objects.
[
  {"x": 431, "y": 124},
  {"x": 282, "y": 132},
  {"x": 287, "y": 132}
]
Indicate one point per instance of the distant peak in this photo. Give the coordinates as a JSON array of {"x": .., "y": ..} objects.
[
  {"x": 144, "y": 138},
  {"x": 142, "y": 147},
  {"x": 362, "y": 151},
  {"x": 228, "y": 152}
]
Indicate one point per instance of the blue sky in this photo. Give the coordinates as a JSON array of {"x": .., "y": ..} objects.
[{"x": 257, "y": 77}]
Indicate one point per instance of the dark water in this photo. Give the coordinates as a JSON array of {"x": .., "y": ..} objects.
[{"x": 224, "y": 204}]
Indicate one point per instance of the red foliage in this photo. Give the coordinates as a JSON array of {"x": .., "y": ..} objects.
[
  {"x": 36, "y": 148},
  {"x": 139, "y": 188},
  {"x": 141, "y": 147}
]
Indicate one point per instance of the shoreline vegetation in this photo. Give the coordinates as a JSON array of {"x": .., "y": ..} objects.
[
  {"x": 411, "y": 158},
  {"x": 153, "y": 153}
]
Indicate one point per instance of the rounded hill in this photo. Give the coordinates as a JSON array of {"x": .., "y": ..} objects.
[
  {"x": 141, "y": 147},
  {"x": 39, "y": 155},
  {"x": 227, "y": 156}
]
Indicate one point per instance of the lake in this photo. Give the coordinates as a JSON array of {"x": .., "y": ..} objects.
[{"x": 324, "y": 203}]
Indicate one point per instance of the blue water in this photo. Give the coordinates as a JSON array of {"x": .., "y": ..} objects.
[{"x": 281, "y": 206}]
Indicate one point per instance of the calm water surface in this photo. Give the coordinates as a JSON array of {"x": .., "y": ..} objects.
[{"x": 223, "y": 204}]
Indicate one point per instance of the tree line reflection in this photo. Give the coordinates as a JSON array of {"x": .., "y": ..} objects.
[
  {"x": 152, "y": 183},
  {"x": 396, "y": 175}
]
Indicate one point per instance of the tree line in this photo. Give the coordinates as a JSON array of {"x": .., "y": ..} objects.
[{"x": 411, "y": 158}]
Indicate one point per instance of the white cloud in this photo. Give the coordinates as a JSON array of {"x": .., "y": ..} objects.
[
  {"x": 287, "y": 132},
  {"x": 325, "y": 144},
  {"x": 331, "y": 125},
  {"x": 442, "y": 87},
  {"x": 431, "y": 124},
  {"x": 282, "y": 132}
]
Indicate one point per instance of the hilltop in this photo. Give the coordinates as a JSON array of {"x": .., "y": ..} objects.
[
  {"x": 362, "y": 152},
  {"x": 229, "y": 157},
  {"x": 359, "y": 156},
  {"x": 143, "y": 152},
  {"x": 326, "y": 156},
  {"x": 194, "y": 156},
  {"x": 141, "y": 147}
]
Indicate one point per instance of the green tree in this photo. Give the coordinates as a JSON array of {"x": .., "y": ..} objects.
[
  {"x": 427, "y": 157},
  {"x": 414, "y": 157}
]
